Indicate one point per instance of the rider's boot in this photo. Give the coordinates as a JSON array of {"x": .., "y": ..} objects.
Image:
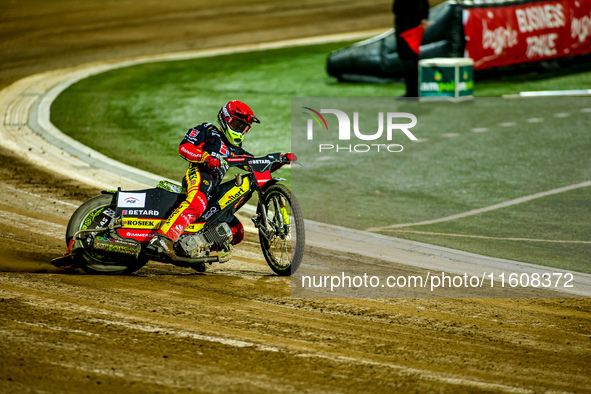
[{"x": 162, "y": 245}]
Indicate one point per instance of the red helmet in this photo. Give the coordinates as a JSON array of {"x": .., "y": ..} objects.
[{"x": 235, "y": 119}]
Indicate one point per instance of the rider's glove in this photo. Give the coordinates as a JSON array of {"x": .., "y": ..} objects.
[
  {"x": 211, "y": 162},
  {"x": 289, "y": 156},
  {"x": 286, "y": 158}
]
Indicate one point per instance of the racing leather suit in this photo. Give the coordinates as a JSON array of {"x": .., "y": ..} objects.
[{"x": 199, "y": 143}]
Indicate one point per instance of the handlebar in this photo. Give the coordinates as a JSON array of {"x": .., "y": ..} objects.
[{"x": 261, "y": 161}]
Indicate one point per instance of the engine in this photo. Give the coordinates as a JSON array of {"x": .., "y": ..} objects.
[{"x": 199, "y": 245}]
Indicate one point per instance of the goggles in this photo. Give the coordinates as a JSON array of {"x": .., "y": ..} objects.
[{"x": 239, "y": 126}]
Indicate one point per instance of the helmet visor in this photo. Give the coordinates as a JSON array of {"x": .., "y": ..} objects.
[{"x": 239, "y": 126}]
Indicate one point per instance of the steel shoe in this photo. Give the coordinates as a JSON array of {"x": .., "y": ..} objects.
[{"x": 162, "y": 245}]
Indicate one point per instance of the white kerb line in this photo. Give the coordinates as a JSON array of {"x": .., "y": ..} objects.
[{"x": 490, "y": 208}]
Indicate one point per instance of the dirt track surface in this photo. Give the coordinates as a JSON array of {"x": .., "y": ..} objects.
[{"x": 234, "y": 328}]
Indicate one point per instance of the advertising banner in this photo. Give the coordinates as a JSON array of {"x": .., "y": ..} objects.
[{"x": 501, "y": 36}]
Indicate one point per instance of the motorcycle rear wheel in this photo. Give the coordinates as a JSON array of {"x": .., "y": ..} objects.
[
  {"x": 96, "y": 213},
  {"x": 284, "y": 247}
]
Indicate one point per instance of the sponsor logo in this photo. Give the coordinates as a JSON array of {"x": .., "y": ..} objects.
[
  {"x": 189, "y": 154},
  {"x": 209, "y": 213},
  {"x": 441, "y": 87},
  {"x": 143, "y": 223},
  {"x": 202, "y": 202},
  {"x": 580, "y": 28},
  {"x": 105, "y": 239},
  {"x": 131, "y": 200},
  {"x": 499, "y": 38},
  {"x": 110, "y": 213},
  {"x": 140, "y": 223},
  {"x": 541, "y": 46},
  {"x": 132, "y": 234},
  {"x": 115, "y": 246},
  {"x": 258, "y": 161},
  {"x": 388, "y": 124},
  {"x": 195, "y": 227},
  {"x": 233, "y": 194},
  {"x": 540, "y": 17},
  {"x": 194, "y": 133},
  {"x": 141, "y": 212},
  {"x": 224, "y": 149}
]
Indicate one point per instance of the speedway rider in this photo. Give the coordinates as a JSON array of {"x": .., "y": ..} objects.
[{"x": 205, "y": 146}]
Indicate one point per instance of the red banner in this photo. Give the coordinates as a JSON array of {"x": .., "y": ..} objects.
[{"x": 501, "y": 36}]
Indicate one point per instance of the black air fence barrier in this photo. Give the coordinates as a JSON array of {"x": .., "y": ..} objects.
[{"x": 498, "y": 35}]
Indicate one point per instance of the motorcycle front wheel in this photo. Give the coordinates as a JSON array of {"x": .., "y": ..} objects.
[{"x": 283, "y": 239}]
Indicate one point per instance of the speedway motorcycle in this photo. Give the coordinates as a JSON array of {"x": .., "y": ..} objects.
[{"x": 108, "y": 234}]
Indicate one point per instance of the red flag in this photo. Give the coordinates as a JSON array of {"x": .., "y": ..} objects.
[{"x": 413, "y": 38}]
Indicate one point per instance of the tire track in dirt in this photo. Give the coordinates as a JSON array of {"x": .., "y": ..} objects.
[{"x": 331, "y": 335}]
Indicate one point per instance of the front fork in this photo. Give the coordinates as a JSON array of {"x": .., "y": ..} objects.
[
  {"x": 283, "y": 211},
  {"x": 261, "y": 221}
]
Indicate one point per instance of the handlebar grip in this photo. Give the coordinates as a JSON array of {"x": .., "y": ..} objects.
[{"x": 289, "y": 157}]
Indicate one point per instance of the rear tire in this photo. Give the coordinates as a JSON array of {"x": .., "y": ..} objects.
[
  {"x": 96, "y": 213},
  {"x": 284, "y": 249}
]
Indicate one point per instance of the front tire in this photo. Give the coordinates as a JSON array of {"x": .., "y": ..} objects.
[
  {"x": 284, "y": 247},
  {"x": 96, "y": 213}
]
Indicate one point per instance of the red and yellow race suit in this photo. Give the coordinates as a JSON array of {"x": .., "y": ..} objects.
[{"x": 199, "y": 143}]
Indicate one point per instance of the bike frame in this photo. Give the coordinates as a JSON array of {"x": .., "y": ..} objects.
[{"x": 259, "y": 178}]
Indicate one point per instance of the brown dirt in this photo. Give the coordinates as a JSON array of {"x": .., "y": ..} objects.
[{"x": 234, "y": 328}]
